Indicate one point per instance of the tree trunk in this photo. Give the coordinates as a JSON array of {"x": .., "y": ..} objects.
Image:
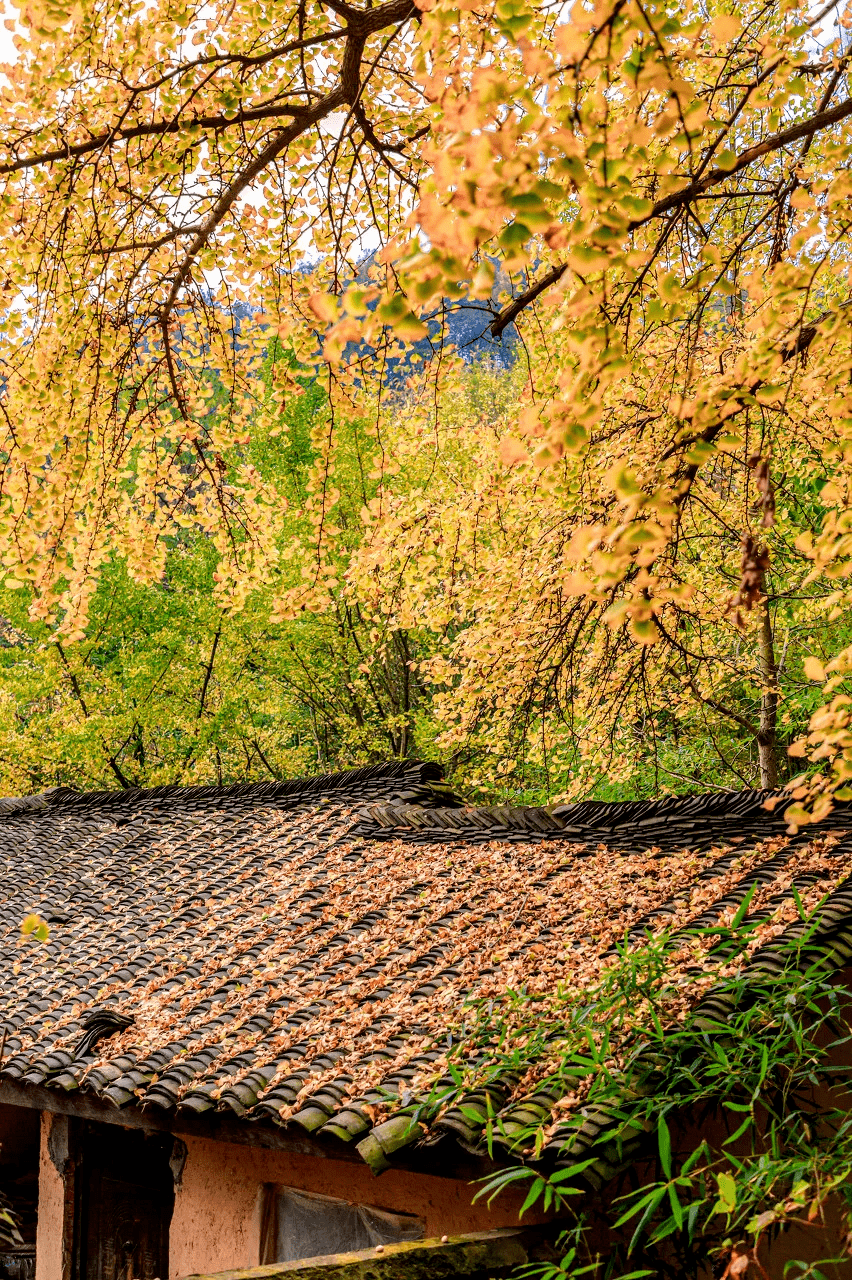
[{"x": 767, "y": 735}]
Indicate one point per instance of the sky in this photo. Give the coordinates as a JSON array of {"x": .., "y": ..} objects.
[{"x": 7, "y": 49}]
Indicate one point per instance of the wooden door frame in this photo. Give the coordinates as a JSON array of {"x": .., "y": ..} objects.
[
  {"x": 77, "y": 1185},
  {"x": 61, "y": 1140}
]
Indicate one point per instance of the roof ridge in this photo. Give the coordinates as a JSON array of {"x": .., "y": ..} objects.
[
  {"x": 695, "y": 804},
  {"x": 375, "y": 778},
  {"x": 22, "y": 804},
  {"x": 666, "y": 821},
  {"x": 388, "y": 819}
]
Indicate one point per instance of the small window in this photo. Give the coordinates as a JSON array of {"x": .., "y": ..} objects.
[{"x": 300, "y": 1224}]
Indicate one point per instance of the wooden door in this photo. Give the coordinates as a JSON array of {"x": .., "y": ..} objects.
[{"x": 124, "y": 1202}]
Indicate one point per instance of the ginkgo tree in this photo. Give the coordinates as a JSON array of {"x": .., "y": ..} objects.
[
  {"x": 535, "y": 674},
  {"x": 655, "y": 195}
]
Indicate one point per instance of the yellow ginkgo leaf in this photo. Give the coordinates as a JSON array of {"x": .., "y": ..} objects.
[
  {"x": 726, "y": 27},
  {"x": 32, "y": 926},
  {"x": 512, "y": 451},
  {"x": 814, "y": 669}
]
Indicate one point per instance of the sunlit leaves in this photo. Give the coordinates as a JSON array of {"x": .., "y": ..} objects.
[{"x": 32, "y": 926}]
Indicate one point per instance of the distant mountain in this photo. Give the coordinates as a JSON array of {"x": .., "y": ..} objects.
[{"x": 464, "y": 322}]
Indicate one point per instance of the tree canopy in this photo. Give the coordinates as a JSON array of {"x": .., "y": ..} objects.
[{"x": 222, "y": 221}]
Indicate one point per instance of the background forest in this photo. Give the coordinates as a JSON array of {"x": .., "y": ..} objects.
[{"x": 166, "y": 685}]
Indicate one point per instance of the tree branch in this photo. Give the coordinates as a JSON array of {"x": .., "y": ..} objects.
[
  {"x": 805, "y": 129},
  {"x": 182, "y": 122},
  {"x": 208, "y": 672},
  {"x": 508, "y": 314},
  {"x": 677, "y": 199},
  {"x": 156, "y": 129},
  {"x": 789, "y": 349},
  {"x": 741, "y": 720},
  {"x": 363, "y": 23},
  {"x": 78, "y": 694}
]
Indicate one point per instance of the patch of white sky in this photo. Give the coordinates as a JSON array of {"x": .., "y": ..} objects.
[
  {"x": 831, "y": 24},
  {"x": 9, "y": 16}
]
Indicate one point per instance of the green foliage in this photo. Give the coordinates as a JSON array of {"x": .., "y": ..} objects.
[
  {"x": 714, "y": 1129},
  {"x": 171, "y": 685},
  {"x": 168, "y": 688}
]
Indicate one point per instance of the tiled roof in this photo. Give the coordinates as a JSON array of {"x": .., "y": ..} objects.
[{"x": 295, "y": 952}]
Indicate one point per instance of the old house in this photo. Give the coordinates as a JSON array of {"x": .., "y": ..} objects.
[{"x": 246, "y": 992}]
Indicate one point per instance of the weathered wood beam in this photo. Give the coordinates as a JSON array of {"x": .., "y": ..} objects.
[
  {"x": 217, "y": 1125},
  {"x": 220, "y": 1126},
  {"x": 476, "y": 1256}
]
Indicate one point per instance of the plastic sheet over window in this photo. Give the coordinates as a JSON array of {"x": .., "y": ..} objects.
[{"x": 300, "y": 1224}]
